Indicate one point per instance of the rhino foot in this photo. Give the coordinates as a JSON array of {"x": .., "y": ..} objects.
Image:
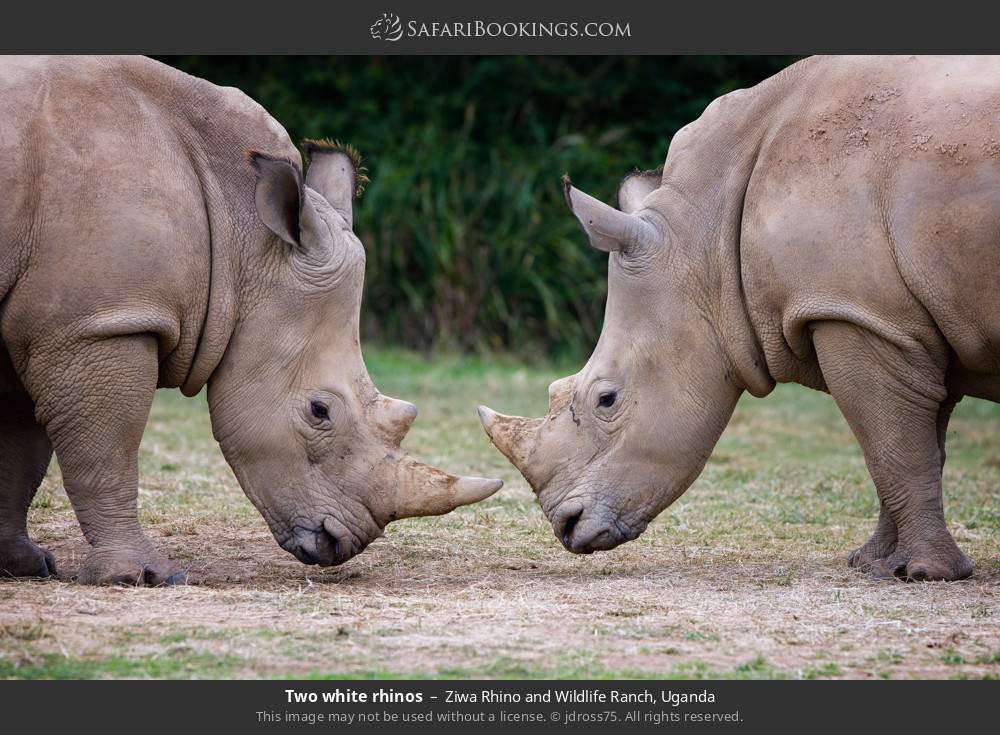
[
  {"x": 880, "y": 545},
  {"x": 135, "y": 567},
  {"x": 22, "y": 557},
  {"x": 922, "y": 565}
]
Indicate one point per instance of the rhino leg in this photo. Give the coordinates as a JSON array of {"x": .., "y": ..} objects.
[
  {"x": 24, "y": 456},
  {"x": 883, "y": 541},
  {"x": 896, "y": 403},
  {"x": 94, "y": 400}
]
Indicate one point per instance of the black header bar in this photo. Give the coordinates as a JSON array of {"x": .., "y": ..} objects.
[{"x": 505, "y": 27}]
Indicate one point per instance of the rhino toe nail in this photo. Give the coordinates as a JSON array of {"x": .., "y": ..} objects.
[
  {"x": 175, "y": 579},
  {"x": 50, "y": 565}
]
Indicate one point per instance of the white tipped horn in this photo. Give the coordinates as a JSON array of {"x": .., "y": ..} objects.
[
  {"x": 423, "y": 490},
  {"x": 470, "y": 490}
]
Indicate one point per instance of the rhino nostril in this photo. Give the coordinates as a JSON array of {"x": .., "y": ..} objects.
[
  {"x": 569, "y": 526},
  {"x": 327, "y": 549},
  {"x": 316, "y": 546}
]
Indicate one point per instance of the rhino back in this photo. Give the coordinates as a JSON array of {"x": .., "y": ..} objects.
[
  {"x": 120, "y": 175},
  {"x": 875, "y": 198}
]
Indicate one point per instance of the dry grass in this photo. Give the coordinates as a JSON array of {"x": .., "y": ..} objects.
[{"x": 745, "y": 576}]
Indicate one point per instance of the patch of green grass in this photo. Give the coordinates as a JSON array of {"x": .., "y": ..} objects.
[
  {"x": 757, "y": 668},
  {"x": 990, "y": 658},
  {"x": 823, "y": 671},
  {"x": 174, "y": 664},
  {"x": 952, "y": 657},
  {"x": 889, "y": 657},
  {"x": 197, "y": 633},
  {"x": 697, "y": 635},
  {"x": 577, "y": 665}
]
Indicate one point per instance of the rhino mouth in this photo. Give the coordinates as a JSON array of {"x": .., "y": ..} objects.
[
  {"x": 326, "y": 544},
  {"x": 585, "y": 528}
]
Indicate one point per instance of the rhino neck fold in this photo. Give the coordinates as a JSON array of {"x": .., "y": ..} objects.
[
  {"x": 220, "y": 310},
  {"x": 733, "y": 326},
  {"x": 735, "y": 330}
]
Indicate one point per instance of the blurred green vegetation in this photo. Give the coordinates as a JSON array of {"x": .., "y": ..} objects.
[{"x": 469, "y": 242}]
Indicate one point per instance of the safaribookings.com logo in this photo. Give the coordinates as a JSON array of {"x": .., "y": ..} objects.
[
  {"x": 387, "y": 28},
  {"x": 390, "y": 28}
]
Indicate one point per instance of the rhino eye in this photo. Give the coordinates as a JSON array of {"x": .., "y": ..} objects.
[
  {"x": 319, "y": 410},
  {"x": 607, "y": 400}
]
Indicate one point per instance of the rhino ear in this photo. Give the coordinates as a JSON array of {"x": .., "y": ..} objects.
[
  {"x": 279, "y": 196},
  {"x": 608, "y": 229},
  {"x": 335, "y": 171},
  {"x": 637, "y": 186}
]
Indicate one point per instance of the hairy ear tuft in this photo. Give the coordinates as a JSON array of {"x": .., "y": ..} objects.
[
  {"x": 636, "y": 186},
  {"x": 566, "y": 186},
  {"x": 312, "y": 146}
]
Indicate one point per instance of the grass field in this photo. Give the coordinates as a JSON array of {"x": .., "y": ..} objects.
[{"x": 745, "y": 576}]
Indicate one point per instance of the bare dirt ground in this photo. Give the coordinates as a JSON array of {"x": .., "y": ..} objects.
[{"x": 745, "y": 576}]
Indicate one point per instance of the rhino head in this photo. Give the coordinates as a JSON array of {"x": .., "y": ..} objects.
[
  {"x": 313, "y": 443},
  {"x": 630, "y": 432}
]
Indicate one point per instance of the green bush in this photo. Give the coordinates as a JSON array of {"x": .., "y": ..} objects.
[{"x": 469, "y": 242}]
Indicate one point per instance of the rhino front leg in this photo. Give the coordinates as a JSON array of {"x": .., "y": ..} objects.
[
  {"x": 894, "y": 399},
  {"x": 24, "y": 456},
  {"x": 93, "y": 400}
]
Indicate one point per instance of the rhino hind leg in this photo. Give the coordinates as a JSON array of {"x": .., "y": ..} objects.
[
  {"x": 94, "y": 399},
  {"x": 897, "y": 405},
  {"x": 882, "y": 542},
  {"x": 24, "y": 457}
]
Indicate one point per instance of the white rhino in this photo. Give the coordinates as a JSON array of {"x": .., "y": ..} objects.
[
  {"x": 156, "y": 231},
  {"x": 838, "y": 226}
]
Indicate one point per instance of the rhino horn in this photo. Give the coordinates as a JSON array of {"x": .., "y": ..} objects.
[
  {"x": 422, "y": 490},
  {"x": 561, "y": 394},
  {"x": 609, "y": 229},
  {"x": 514, "y": 436},
  {"x": 394, "y": 417}
]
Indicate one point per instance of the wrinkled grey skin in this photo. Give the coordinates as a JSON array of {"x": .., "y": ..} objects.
[
  {"x": 837, "y": 226},
  {"x": 156, "y": 232}
]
